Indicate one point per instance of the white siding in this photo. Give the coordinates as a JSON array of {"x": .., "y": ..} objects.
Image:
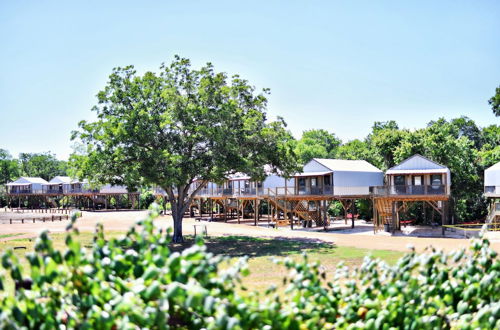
[
  {"x": 36, "y": 187},
  {"x": 492, "y": 176},
  {"x": 356, "y": 183},
  {"x": 275, "y": 181}
]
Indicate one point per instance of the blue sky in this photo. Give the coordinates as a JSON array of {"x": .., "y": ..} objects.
[{"x": 337, "y": 65}]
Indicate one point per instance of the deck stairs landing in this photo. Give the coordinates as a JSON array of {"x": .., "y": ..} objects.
[
  {"x": 384, "y": 210},
  {"x": 300, "y": 208}
]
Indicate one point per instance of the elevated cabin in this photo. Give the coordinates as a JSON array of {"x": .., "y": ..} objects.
[
  {"x": 492, "y": 192},
  {"x": 492, "y": 181},
  {"x": 337, "y": 177},
  {"x": 26, "y": 185},
  {"x": 416, "y": 176},
  {"x": 79, "y": 186},
  {"x": 241, "y": 185},
  {"x": 58, "y": 185}
]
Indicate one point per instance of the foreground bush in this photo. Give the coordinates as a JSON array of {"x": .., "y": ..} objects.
[{"x": 136, "y": 281}]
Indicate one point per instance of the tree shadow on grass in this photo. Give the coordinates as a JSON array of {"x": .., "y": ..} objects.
[{"x": 239, "y": 246}]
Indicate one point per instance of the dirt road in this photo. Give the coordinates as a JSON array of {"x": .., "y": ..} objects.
[{"x": 121, "y": 221}]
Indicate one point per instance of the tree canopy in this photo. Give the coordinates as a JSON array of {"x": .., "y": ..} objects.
[
  {"x": 180, "y": 125},
  {"x": 495, "y": 102},
  {"x": 316, "y": 143},
  {"x": 9, "y": 167},
  {"x": 44, "y": 165}
]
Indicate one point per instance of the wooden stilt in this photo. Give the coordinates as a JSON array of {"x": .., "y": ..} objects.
[
  {"x": 238, "y": 210},
  {"x": 225, "y": 209},
  {"x": 211, "y": 209},
  {"x": 353, "y": 212}
]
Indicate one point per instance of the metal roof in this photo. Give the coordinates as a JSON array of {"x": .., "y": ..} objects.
[
  {"x": 110, "y": 189},
  {"x": 60, "y": 179},
  {"x": 28, "y": 180},
  {"x": 312, "y": 173},
  {"x": 347, "y": 165},
  {"x": 417, "y": 162},
  {"x": 427, "y": 171}
]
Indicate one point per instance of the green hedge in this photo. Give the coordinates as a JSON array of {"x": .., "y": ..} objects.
[{"x": 136, "y": 281}]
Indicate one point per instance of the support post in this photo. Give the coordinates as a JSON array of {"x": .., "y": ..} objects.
[
  {"x": 225, "y": 209},
  {"x": 238, "y": 210},
  {"x": 353, "y": 211},
  {"x": 443, "y": 216},
  {"x": 325, "y": 209}
]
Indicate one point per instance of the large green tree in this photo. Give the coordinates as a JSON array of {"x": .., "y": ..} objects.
[
  {"x": 316, "y": 143},
  {"x": 355, "y": 149},
  {"x": 495, "y": 102},
  {"x": 44, "y": 165},
  {"x": 177, "y": 126},
  {"x": 383, "y": 141},
  {"x": 9, "y": 167}
]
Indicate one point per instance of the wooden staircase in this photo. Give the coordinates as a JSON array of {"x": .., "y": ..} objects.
[
  {"x": 384, "y": 210},
  {"x": 299, "y": 208},
  {"x": 304, "y": 212},
  {"x": 493, "y": 219}
]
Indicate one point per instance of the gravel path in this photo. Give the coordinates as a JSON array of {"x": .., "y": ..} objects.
[{"x": 122, "y": 220}]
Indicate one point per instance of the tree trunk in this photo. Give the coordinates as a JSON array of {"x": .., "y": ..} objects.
[
  {"x": 179, "y": 204},
  {"x": 177, "y": 216}
]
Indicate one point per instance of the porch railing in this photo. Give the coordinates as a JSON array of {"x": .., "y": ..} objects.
[
  {"x": 24, "y": 191},
  {"x": 410, "y": 190}
]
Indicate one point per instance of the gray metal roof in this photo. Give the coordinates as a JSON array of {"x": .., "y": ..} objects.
[
  {"x": 347, "y": 165},
  {"x": 27, "y": 180}
]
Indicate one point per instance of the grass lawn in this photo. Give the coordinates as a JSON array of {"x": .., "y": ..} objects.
[
  {"x": 10, "y": 235},
  {"x": 263, "y": 272}
]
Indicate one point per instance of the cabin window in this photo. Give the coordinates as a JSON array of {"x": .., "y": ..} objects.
[
  {"x": 436, "y": 180},
  {"x": 229, "y": 184},
  {"x": 247, "y": 184},
  {"x": 399, "y": 180},
  {"x": 417, "y": 180},
  {"x": 326, "y": 179},
  {"x": 314, "y": 182},
  {"x": 259, "y": 184},
  {"x": 302, "y": 182}
]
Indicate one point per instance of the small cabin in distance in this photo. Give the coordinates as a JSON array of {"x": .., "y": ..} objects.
[
  {"x": 79, "y": 186},
  {"x": 417, "y": 176},
  {"x": 337, "y": 177},
  {"x": 492, "y": 193},
  {"x": 26, "y": 185},
  {"x": 240, "y": 184},
  {"x": 58, "y": 185},
  {"x": 492, "y": 181}
]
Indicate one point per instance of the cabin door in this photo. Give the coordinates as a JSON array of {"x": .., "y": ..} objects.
[
  {"x": 417, "y": 185},
  {"x": 314, "y": 186},
  {"x": 400, "y": 184},
  {"x": 302, "y": 186}
]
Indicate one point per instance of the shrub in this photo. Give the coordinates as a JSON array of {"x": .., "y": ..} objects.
[{"x": 136, "y": 281}]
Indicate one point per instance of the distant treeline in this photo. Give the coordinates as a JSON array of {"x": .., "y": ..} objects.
[{"x": 44, "y": 165}]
